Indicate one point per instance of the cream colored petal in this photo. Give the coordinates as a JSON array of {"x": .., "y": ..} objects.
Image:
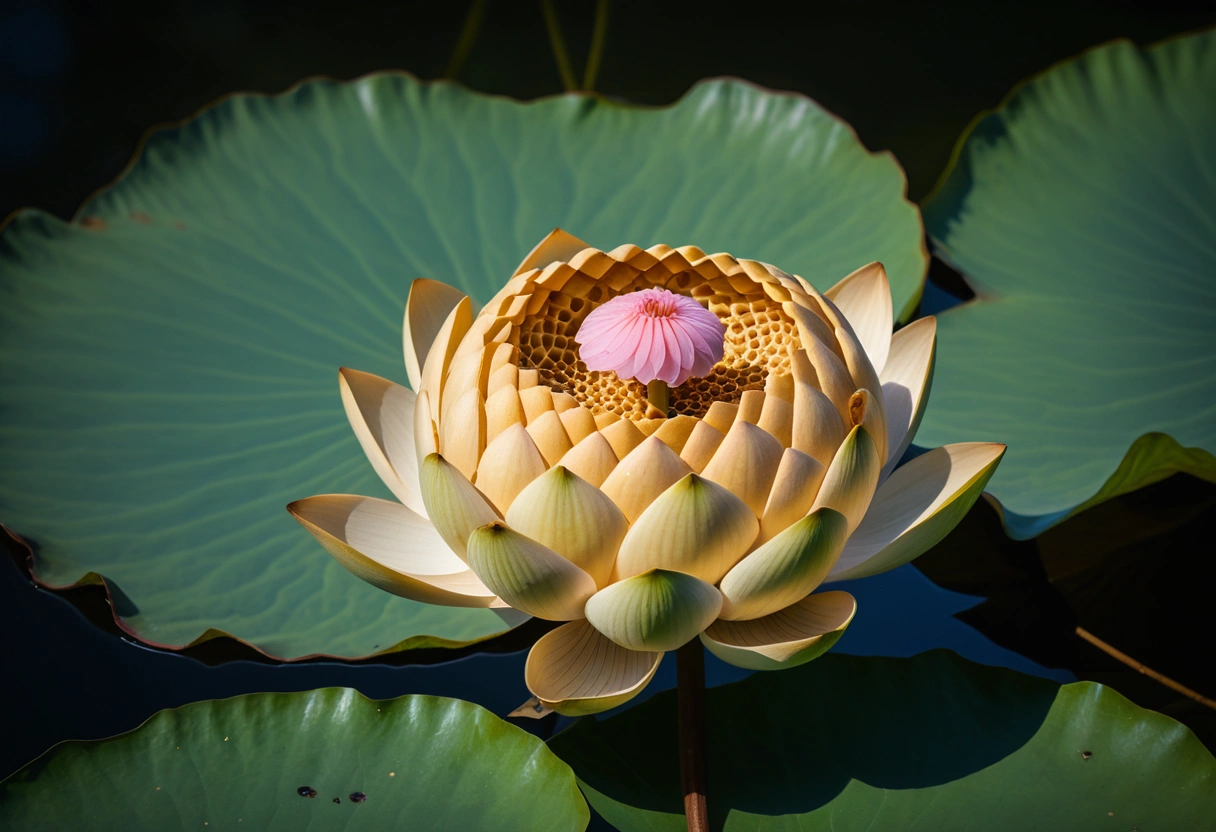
[
  {"x": 818, "y": 429},
  {"x": 576, "y": 670},
  {"x": 917, "y": 507},
  {"x": 426, "y": 439},
  {"x": 786, "y": 638},
  {"x": 833, "y": 376},
  {"x": 785, "y": 569},
  {"x": 503, "y": 409},
  {"x": 864, "y": 298},
  {"x": 866, "y": 379},
  {"x": 530, "y": 577},
  {"x": 573, "y": 518},
  {"x": 391, "y": 548},
  {"x": 794, "y": 488},
  {"x": 721, "y": 415},
  {"x": 852, "y": 477},
  {"x": 777, "y": 418},
  {"x": 550, "y": 436},
  {"x": 695, "y": 526},
  {"x": 751, "y": 406},
  {"x": 579, "y": 423},
  {"x": 509, "y": 463},
  {"x": 428, "y": 306},
  {"x": 381, "y": 414},
  {"x": 557, "y": 246},
  {"x": 439, "y": 358},
  {"x": 675, "y": 432},
  {"x": 643, "y": 475},
  {"x": 463, "y": 431},
  {"x": 592, "y": 459},
  {"x": 453, "y": 503},
  {"x": 505, "y": 376},
  {"x": 905, "y": 385},
  {"x": 623, "y": 436},
  {"x": 745, "y": 464},
  {"x": 658, "y": 610},
  {"x": 536, "y": 400},
  {"x": 700, "y": 447}
]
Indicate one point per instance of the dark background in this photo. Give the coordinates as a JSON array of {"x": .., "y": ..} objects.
[{"x": 80, "y": 82}]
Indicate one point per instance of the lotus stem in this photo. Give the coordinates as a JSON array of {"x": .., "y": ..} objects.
[
  {"x": 690, "y": 672},
  {"x": 468, "y": 36},
  {"x": 1119, "y": 655},
  {"x": 564, "y": 69},
  {"x": 659, "y": 395},
  {"x": 591, "y": 70}
]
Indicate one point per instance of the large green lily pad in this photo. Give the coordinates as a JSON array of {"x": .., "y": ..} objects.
[
  {"x": 934, "y": 742},
  {"x": 419, "y": 762},
  {"x": 169, "y": 369},
  {"x": 1083, "y": 213}
]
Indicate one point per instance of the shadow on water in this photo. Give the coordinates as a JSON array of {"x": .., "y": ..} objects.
[{"x": 890, "y": 723}]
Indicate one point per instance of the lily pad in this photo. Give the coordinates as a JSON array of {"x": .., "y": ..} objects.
[
  {"x": 929, "y": 743},
  {"x": 1082, "y": 212},
  {"x": 324, "y": 759},
  {"x": 169, "y": 370}
]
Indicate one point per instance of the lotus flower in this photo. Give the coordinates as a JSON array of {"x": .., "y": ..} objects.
[{"x": 527, "y": 480}]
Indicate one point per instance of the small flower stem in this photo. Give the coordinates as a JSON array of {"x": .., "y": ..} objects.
[
  {"x": 659, "y": 395},
  {"x": 468, "y": 35},
  {"x": 1145, "y": 669},
  {"x": 690, "y": 672},
  {"x": 558, "y": 43}
]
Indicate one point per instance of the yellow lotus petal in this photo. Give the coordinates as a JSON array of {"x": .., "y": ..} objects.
[
  {"x": 381, "y": 414},
  {"x": 509, "y": 463},
  {"x": 787, "y": 638},
  {"x": 905, "y": 385},
  {"x": 503, "y": 409},
  {"x": 575, "y": 670},
  {"x": 695, "y": 526},
  {"x": 643, "y": 475},
  {"x": 623, "y": 436},
  {"x": 794, "y": 489},
  {"x": 746, "y": 463},
  {"x": 917, "y": 507},
  {"x": 530, "y": 577},
  {"x": 818, "y": 429},
  {"x": 656, "y": 611},
  {"x": 866, "y": 379},
  {"x": 454, "y": 504},
  {"x": 786, "y": 569},
  {"x": 439, "y": 358},
  {"x": 426, "y": 439},
  {"x": 573, "y": 518},
  {"x": 852, "y": 477},
  {"x": 701, "y": 445},
  {"x": 592, "y": 459},
  {"x": 557, "y": 245},
  {"x": 550, "y": 436},
  {"x": 391, "y": 548},
  {"x": 428, "y": 306},
  {"x": 721, "y": 415},
  {"x": 464, "y": 431},
  {"x": 675, "y": 432},
  {"x": 777, "y": 417},
  {"x": 536, "y": 400},
  {"x": 832, "y": 377},
  {"x": 578, "y": 422},
  {"x": 864, "y": 298}
]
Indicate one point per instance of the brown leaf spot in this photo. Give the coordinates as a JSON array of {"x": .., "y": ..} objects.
[
  {"x": 141, "y": 216},
  {"x": 93, "y": 224}
]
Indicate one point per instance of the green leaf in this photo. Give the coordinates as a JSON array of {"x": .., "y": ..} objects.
[
  {"x": 422, "y": 762},
  {"x": 1083, "y": 213},
  {"x": 928, "y": 743},
  {"x": 169, "y": 370}
]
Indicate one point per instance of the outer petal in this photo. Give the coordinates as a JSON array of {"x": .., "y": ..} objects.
[
  {"x": 557, "y": 246},
  {"x": 787, "y": 638},
  {"x": 918, "y": 506},
  {"x": 848, "y": 486},
  {"x": 439, "y": 358},
  {"x": 573, "y": 518},
  {"x": 905, "y": 385},
  {"x": 530, "y": 577},
  {"x": 864, "y": 298},
  {"x": 787, "y": 568},
  {"x": 392, "y": 548},
  {"x": 576, "y": 670},
  {"x": 382, "y": 416},
  {"x": 657, "y": 610},
  {"x": 696, "y": 526},
  {"x": 454, "y": 504},
  {"x": 428, "y": 306}
]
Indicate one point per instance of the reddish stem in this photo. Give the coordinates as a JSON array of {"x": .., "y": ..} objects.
[{"x": 690, "y": 672}]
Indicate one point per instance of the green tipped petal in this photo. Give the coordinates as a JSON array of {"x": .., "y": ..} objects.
[
  {"x": 655, "y": 611},
  {"x": 528, "y": 576},
  {"x": 453, "y": 503},
  {"x": 849, "y": 483},
  {"x": 785, "y": 569},
  {"x": 787, "y": 638}
]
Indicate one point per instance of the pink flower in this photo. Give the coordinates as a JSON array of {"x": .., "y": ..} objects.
[{"x": 652, "y": 334}]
